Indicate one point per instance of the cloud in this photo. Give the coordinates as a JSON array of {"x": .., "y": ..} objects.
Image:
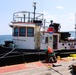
[
  {"x": 59, "y": 7},
  {"x": 65, "y": 20},
  {"x": 49, "y": 17},
  {"x": 45, "y": 12}
]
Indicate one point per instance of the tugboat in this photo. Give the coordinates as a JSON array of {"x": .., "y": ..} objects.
[{"x": 31, "y": 36}]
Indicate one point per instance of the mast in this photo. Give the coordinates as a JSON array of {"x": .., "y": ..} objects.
[
  {"x": 34, "y": 5},
  {"x": 75, "y": 26}
]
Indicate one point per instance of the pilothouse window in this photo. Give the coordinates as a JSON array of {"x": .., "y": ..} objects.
[
  {"x": 30, "y": 32},
  {"x": 15, "y": 31},
  {"x": 22, "y": 31}
]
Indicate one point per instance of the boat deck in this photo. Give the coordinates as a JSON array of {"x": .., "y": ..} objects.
[{"x": 40, "y": 68}]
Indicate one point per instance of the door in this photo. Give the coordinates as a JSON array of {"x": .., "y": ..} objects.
[{"x": 55, "y": 37}]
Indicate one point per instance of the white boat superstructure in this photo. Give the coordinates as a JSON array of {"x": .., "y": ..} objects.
[{"x": 27, "y": 33}]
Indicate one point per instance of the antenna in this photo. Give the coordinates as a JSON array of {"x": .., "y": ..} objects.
[
  {"x": 34, "y": 5},
  {"x": 75, "y": 26}
]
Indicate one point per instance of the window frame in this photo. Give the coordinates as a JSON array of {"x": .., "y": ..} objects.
[
  {"x": 22, "y": 32},
  {"x": 14, "y": 32},
  {"x": 30, "y": 32}
]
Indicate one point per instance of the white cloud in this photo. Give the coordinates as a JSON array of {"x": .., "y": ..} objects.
[
  {"x": 44, "y": 12},
  {"x": 67, "y": 22},
  {"x": 59, "y": 7},
  {"x": 49, "y": 17}
]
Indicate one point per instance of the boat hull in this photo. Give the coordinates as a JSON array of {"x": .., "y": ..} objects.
[{"x": 8, "y": 57}]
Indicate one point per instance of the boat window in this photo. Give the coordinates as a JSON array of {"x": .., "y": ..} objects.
[
  {"x": 30, "y": 31},
  {"x": 46, "y": 40},
  {"x": 22, "y": 31},
  {"x": 55, "y": 41},
  {"x": 15, "y": 31}
]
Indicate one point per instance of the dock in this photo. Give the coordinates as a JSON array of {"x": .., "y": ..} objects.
[{"x": 62, "y": 67}]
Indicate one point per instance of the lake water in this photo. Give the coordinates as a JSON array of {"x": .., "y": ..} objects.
[
  {"x": 5, "y": 38},
  {"x": 9, "y": 37}
]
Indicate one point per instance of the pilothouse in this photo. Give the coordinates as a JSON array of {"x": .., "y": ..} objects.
[{"x": 25, "y": 29}]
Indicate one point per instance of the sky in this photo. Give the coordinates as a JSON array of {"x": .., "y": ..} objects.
[{"x": 60, "y": 11}]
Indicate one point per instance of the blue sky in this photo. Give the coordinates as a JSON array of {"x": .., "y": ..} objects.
[{"x": 60, "y": 11}]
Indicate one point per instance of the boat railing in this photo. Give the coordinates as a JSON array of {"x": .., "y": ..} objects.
[{"x": 24, "y": 16}]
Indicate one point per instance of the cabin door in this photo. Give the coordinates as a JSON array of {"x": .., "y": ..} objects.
[
  {"x": 50, "y": 41},
  {"x": 55, "y": 41}
]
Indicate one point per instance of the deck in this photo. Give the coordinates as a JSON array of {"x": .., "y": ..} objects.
[{"x": 40, "y": 68}]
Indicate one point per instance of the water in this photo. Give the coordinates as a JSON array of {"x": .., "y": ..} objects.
[
  {"x": 72, "y": 33},
  {"x": 5, "y": 38},
  {"x": 9, "y": 37}
]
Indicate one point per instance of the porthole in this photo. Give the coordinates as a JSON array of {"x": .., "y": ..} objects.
[
  {"x": 69, "y": 44},
  {"x": 65, "y": 47},
  {"x": 74, "y": 43},
  {"x": 63, "y": 44}
]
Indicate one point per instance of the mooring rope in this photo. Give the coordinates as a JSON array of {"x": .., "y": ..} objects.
[{"x": 8, "y": 53}]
